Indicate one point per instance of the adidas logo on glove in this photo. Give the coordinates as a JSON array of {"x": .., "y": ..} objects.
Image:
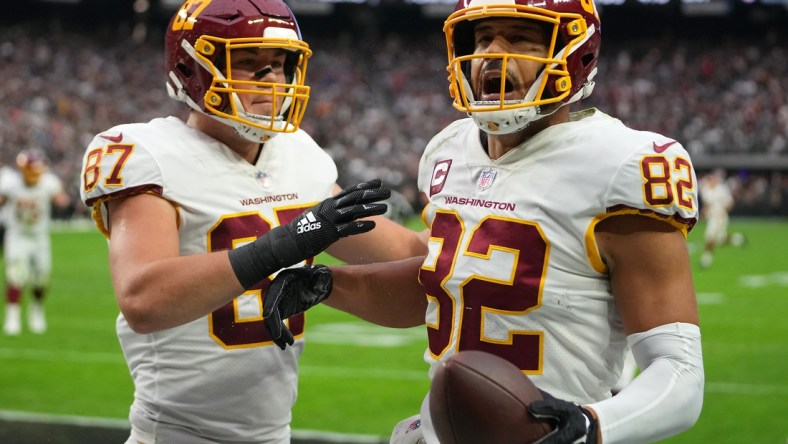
[{"x": 307, "y": 223}]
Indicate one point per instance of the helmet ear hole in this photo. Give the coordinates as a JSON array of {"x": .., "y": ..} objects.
[
  {"x": 183, "y": 69},
  {"x": 588, "y": 58}
]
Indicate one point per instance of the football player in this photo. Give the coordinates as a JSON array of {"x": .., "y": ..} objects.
[
  {"x": 28, "y": 193},
  {"x": 557, "y": 238},
  {"x": 717, "y": 201},
  {"x": 200, "y": 213}
]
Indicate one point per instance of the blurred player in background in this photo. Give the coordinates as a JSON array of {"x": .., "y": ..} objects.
[
  {"x": 173, "y": 197},
  {"x": 27, "y": 196},
  {"x": 716, "y": 204},
  {"x": 399, "y": 209},
  {"x": 4, "y": 170},
  {"x": 557, "y": 238}
]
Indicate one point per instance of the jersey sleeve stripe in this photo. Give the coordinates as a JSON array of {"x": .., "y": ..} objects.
[{"x": 684, "y": 225}]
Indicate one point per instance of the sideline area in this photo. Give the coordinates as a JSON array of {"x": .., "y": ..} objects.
[{"x": 36, "y": 428}]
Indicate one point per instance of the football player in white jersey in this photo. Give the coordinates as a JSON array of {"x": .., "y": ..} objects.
[
  {"x": 4, "y": 213},
  {"x": 27, "y": 195},
  {"x": 558, "y": 238},
  {"x": 200, "y": 213},
  {"x": 716, "y": 201}
]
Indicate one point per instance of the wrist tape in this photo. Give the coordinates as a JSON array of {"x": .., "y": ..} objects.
[{"x": 257, "y": 260}]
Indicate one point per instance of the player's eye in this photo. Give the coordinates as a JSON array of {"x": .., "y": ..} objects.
[
  {"x": 246, "y": 63},
  {"x": 483, "y": 40}
]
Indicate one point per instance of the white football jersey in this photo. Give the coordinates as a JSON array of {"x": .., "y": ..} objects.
[
  {"x": 4, "y": 209},
  {"x": 28, "y": 209},
  {"x": 219, "y": 378},
  {"x": 716, "y": 197},
  {"x": 513, "y": 267}
]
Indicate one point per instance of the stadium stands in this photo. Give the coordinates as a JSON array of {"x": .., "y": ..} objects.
[{"x": 376, "y": 100}]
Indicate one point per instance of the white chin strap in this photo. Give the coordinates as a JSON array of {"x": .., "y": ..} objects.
[
  {"x": 253, "y": 133},
  {"x": 258, "y": 134}
]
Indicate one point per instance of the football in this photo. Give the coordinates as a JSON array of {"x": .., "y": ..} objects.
[{"x": 477, "y": 397}]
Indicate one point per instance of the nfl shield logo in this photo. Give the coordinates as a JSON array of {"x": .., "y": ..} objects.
[
  {"x": 263, "y": 178},
  {"x": 486, "y": 179}
]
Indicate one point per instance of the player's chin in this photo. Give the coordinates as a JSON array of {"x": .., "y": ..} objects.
[{"x": 261, "y": 108}]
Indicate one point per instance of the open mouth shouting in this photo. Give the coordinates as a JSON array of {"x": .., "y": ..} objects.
[{"x": 495, "y": 86}]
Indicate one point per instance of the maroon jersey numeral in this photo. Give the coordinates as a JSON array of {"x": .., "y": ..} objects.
[
  {"x": 482, "y": 295},
  {"x": 658, "y": 182},
  {"x": 225, "y": 326}
]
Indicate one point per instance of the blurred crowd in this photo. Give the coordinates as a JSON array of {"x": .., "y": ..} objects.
[{"x": 375, "y": 102}]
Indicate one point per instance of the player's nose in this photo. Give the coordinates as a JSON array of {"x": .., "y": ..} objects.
[
  {"x": 499, "y": 43},
  {"x": 260, "y": 74}
]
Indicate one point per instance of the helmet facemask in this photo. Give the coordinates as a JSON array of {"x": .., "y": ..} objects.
[
  {"x": 221, "y": 100},
  {"x": 500, "y": 110}
]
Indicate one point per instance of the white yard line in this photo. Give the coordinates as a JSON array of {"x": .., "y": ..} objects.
[
  {"x": 348, "y": 372},
  {"x": 369, "y": 373},
  {"x": 710, "y": 298},
  {"x": 31, "y": 354},
  {"x": 733, "y": 388}
]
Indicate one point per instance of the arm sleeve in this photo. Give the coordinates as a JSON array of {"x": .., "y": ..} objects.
[{"x": 666, "y": 397}]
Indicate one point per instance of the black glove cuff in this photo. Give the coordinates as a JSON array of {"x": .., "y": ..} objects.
[{"x": 257, "y": 260}]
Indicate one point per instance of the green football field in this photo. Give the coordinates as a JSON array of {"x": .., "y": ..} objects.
[{"x": 361, "y": 379}]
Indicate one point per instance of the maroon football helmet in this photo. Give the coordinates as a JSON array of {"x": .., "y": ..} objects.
[
  {"x": 199, "y": 41},
  {"x": 32, "y": 164},
  {"x": 567, "y": 76}
]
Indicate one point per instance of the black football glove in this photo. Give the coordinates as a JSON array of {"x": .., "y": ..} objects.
[
  {"x": 310, "y": 233},
  {"x": 325, "y": 223},
  {"x": 292, "y": 292},
  {"x": 573, "y": 423}
]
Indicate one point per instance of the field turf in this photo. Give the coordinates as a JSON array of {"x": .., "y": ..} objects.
[{"x": 361, "y": 379}]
